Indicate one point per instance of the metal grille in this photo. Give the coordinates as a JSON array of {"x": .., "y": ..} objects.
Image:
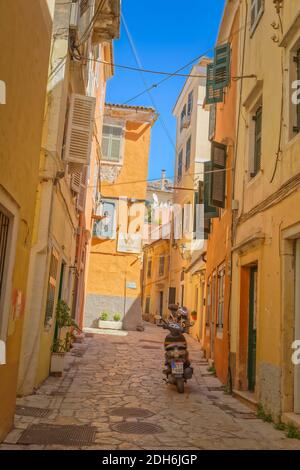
[
  {"x": 137, "y": 428},
  {"x": 146, "y": 346},
  {"x": 215, "y": 389},
  {"x": 32, "y": 411},
  {"x": 131, "y": 412},
  {"x": 43, "y": 434},
  {"x": 4, "y": 227}
]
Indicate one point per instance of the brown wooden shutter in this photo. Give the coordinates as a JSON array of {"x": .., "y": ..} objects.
[
  {"x": 218, "y": 178},
  {"x": 210, "y": 211},
  {"x": 80, "y": 129}
]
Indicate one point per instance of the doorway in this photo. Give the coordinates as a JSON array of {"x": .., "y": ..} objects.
[
  {"x": 297, "y": 328},
  {"x": 251, "y": 369},
  {"x": 161, "y": 304}
]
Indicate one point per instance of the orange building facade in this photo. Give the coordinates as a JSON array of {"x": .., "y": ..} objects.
[{"x": 216, "y": 329}]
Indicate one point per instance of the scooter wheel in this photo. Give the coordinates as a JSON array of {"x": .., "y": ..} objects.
[{"x": 180, "y": 385}]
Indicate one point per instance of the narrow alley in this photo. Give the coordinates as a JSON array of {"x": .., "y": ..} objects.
[{"x": 112, "y": 396}]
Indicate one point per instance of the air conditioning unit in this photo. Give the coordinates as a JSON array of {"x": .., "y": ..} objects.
[{"x": 74, "y": 15}]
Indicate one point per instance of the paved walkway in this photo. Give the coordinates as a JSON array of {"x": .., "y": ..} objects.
[{"x": 106, "y": 372}]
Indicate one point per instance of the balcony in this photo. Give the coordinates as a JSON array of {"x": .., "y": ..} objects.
[{"x": 107, "y": 23}]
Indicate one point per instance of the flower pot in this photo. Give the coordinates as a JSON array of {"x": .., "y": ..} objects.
[
  {"x": 57, "y": 363},
  {"x": 110, "y": 325}
]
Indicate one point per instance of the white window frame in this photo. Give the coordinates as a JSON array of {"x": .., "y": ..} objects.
[
  {"x": 11, "y": 210},
  {"x": 120, "y": 161},
  {"x": 258, "y": 14}
]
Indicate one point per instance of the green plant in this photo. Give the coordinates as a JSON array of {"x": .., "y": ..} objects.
[
  {"x": 194, "y": 314},
  {"x": 292, "y": 432},
  {"x": 263, "y": 415},
  {"x": 117, "y": 317},
  {"x": 212, "y": 369},
  {"x": 104, "y": 316},
  {"x": 63, "y": 319}
]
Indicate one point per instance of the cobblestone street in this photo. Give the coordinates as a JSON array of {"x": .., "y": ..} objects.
[{"x": 107, "y": 373}]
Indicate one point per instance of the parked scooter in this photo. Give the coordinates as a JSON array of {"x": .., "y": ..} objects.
[
  {"x": 178, "y": 315},
  {"x": 178, "y": 367}
]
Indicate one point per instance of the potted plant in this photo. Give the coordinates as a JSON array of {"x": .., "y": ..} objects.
[
  {"x": 114, "y": 324},
  {"x": 62, "y": 344},
  {"x": 194, "y": 315}
]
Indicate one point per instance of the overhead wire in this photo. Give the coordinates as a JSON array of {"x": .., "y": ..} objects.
[{"x": 139, "y": 64}]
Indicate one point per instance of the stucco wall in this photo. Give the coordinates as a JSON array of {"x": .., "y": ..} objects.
[{"x": 24, "y": 70}]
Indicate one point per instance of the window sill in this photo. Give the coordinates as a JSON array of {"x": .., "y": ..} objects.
[
  {"x": 291, "y": 142},
  {"x": 252, "y": 179},
  {"x": 108, "y": 162}
]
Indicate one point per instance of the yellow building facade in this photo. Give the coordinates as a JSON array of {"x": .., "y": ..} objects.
[
  {"x": 265, "y": 307},
  {"x": 24, "y": 70},
  {"x": 115, "y": 260},
  {"x": 67, "y": 158}
]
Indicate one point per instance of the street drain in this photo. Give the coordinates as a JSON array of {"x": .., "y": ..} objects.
[
  {"x": 32, "y": 411},
  {"x": 137, "y": 428},
  {"x": 43, "y": 434},
  {"x": 245, "y": 415},
  {"x": 149, "y": 341},
  {"x": 150, "y": 347},
  {"x": 131, "y": 412},
  {"x": 215, "y": 389}
]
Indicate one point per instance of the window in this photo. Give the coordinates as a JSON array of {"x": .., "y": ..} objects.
[
  {"x": 213, "y": 298},
  {"x": 190, "y": 104},
  {"x": 296, "y": 118},
  {"x": 212, "y": 121},
  {"x": 161, "y": 269},
  {"x": 208, "y": 303},
  {"x": 257, "y": 9},
  {"x": 179, "y": 169},
  {"x": 147, "y": 305},
  {"x": 172, "y": 295},
  {"x": 221, "y": 290},
  {"x": 9, "y": 223},
  {"x": 4, "y": 229},
  {"x": 112, "y": 143},
  {"x": 256, "y": 156},
  {"x": 106, "y": 226},
  {"x": 183, "y": 118},
  {"x": 188, "y": 154},
  {"x": 51, "y": 288},
  {"x": 218, "y": 175},
  {"x": 149, "y": 268}
]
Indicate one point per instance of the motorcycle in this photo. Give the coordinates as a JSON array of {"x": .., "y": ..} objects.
[
  {"x": 178, "y": 367},
  {"x": 178, "y": 315}
]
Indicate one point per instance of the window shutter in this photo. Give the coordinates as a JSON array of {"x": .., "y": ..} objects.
[
  {"x": 188, "y": 154},
  {"x": 218, "y": 177},
  {"x": 212, "y": 95},
  {"x": 210, "y": 211},
  {"x": 111, "y": 143},
  {"x": 80, "y": 129},
  {"x": 82, "y": 191},
  {"x": 179, "y": 171},
  {"x": 75, "y": 176},
  {"x": 84, "y": 4},
  {"x": 212, "y": 121},
  {"x": 222, "y": 67}
]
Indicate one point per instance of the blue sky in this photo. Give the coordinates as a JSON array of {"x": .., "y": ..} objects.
[{"x": 167, "y": 34}]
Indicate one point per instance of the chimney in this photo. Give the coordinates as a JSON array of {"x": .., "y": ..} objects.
[{"x": 163, "y": 179}]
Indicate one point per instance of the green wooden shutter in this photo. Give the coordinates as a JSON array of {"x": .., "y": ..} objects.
[
  {"x": 210, "y": 211},
  {"x": 218, "y": 177},
  {"x": 212, "y": 94},
  {"x": 179, "y": 171},
  {"x": 222, "y": 67}
]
